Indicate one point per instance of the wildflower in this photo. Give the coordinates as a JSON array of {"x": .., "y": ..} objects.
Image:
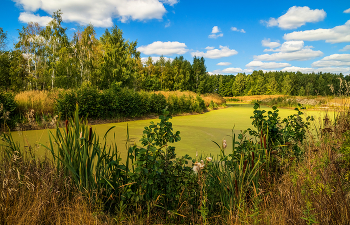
[
  {"x": 196, "y": 167},
  {"x": 224, "y": 144},
  {"x": 202, "y": 164},
  {"x": 209, "y": 159}
]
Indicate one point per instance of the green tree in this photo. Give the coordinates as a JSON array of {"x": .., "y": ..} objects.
[
  {"x": 287, "y": 85},
  {"x": 119, "y": 63},
  {"x": 239, "y": 85}
]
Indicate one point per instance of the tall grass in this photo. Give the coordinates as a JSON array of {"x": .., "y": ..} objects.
[{"x": 41, "y": 101}]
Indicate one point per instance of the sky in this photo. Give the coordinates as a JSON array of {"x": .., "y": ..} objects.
[{"x": 233, "y": 36}]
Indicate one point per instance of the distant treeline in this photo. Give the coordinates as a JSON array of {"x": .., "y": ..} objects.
[{"x": 44, "y": 58}]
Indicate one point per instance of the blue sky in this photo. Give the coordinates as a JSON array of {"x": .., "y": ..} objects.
[{"x": 232, "y": 36}]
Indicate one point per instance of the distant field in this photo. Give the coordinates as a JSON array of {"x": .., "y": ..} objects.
[
  {"x": 197, "y": 131},
  {"x": 322, "y": 102}
]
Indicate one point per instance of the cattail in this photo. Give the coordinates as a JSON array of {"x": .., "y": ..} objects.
[
  {"x": 90, "y": 133},
  {"x": 252, "y": 160},
  {"x": 236, "y": 186},
  {"x": 67, "y": 126},
  {"x": 261, "y": 136},
  {"x": 245, "y": 165},
  {"x": 265, "y": 141}
]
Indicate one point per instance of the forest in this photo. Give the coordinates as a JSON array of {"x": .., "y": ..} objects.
[{"x": 44, "y": 58}]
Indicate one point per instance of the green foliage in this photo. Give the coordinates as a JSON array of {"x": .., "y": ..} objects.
[
  {"x": 7, "y": 109},
  {"x": 116, "y": 102},
  {"x": 273, "y": 132},
  {"x": 77, "y": 151},
  {"x": 157, "y": 173}
]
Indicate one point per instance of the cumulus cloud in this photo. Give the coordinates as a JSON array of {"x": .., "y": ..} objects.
[
  {"x": 99, "y": 13},
  {"x": 296, "y": 17},
  {"x": 269, "y": 43},
  {"x": 337, "y": 34},
  {"x": 290, "y": 50},
  {"x": 223, "y": 64},
  {"x": 30, "y": 17},
  {"x": 224, "y": 51},
  {"x": 346, "y": 48},
  {"x": 155, "y": 59},
  {"x": 267, "y": 65},
  {"x": 215, "y": 32},
  {"x": 238, "y": 30},
  {"x": 335, "y": 60},
  {"x": 164, "y": 48},
  {"x": 304, "y": 54},
  {"x": 316, "y": 70},
  {"x": 347, "y": 10}
]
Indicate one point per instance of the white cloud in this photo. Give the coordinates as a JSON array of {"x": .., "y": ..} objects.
[
  {"x": 346, "y": 48},
  {"x": 216, "y": 35},
  {"x": 164, "y": 48},
  {"x": 347, "y": 10},
  {"x": 99, "y": 13},
  {"x": 290, "y": 50},
  {"x": 29, "y": 17},
  {"x": 170, "y": 2},
  {"x": 223, "y": 64},
  {"x": 238, "y": 30},
  {"x": 209, "y": 48},
  {"x": 334, "y": 60},
  {"x": 231, "y": 70},
  {"x": 155, "y": 59},
  {"x": 337, "y": 34},
  {"x": 296, "y": 17},
  {"x": 224, "y": 51},
  {"x": 167, "y": 24},
  {"x": 343, "y": 70},
  {"x": 267, "y": 65},
  {"x": 215, "y": 32},
  {"x": 269, "y": 43}
]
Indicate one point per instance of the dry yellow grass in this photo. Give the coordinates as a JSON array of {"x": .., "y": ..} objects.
[
  {"x": 32, "y": 193},
  {"x": 206, "y": 97},
  {"x": 253, "y": 97},
  {"x": 41, "y": 101}
]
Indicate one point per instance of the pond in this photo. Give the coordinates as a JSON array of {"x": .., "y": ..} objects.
[{"x": 196, "y": 131}]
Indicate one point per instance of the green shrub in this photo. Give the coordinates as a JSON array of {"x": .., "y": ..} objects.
[{"x": 8, "y": 108}]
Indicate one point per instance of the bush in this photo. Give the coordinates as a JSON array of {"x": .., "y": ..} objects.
[{"x": 8, "y": 107}]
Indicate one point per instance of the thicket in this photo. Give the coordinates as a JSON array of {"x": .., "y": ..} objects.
[
  {"x": 241, "y": 185},
  {"x": 35, "y": 108},
  {"x": 115, "y": 102}
]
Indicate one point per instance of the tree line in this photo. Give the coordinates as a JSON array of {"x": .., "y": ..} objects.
[{"x": 45, "y": 58}]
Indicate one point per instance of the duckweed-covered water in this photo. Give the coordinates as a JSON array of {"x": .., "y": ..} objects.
[{"x": 197, "y": 131}]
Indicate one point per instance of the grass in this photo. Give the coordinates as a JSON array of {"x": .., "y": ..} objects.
[
  {"x": 41, "y": 101},
  {"x": 309, "y": 102}
]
